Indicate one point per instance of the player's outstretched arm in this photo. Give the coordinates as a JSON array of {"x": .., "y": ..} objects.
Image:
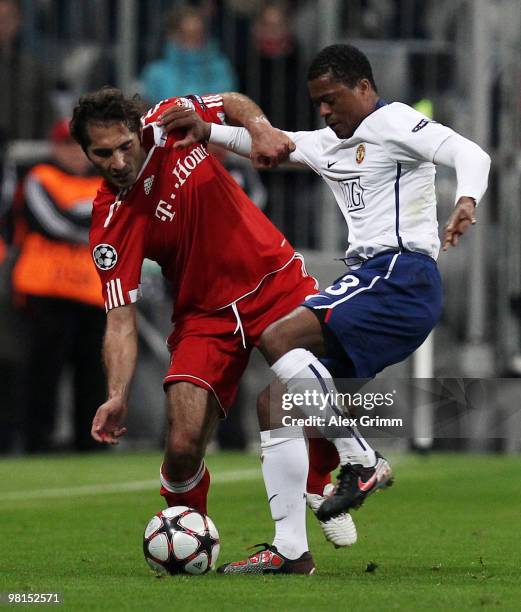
[
  {"x": 269, "y": 146},
  {"x": 472, "y": 166},
  {"x": 197, "y": 129},
  {"x": 460, "y": 220},
  {"x": 119, "y": 356}
]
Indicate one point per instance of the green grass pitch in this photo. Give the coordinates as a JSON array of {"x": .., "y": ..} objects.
[{"x": 447, "y": 536}]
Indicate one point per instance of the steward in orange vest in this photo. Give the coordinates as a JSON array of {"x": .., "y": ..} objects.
[
  {"x": 58, "y": 289},
  {"x": 53, "y": 231}
]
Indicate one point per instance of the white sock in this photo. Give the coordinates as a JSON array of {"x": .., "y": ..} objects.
[
  {"x": 301, "y": 371},
  {"x": 285, "y": 466}
]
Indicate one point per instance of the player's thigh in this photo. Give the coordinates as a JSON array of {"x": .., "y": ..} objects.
[
  {"x": 192, "y": 413},
  {"x": 274, "y": 320},
  {"x": 379, "y": 314},
  {"x": 208, "y": 354},
  {"x": 299, "y": 329}
]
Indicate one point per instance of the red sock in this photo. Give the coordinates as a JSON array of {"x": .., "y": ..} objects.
[
  {"x": 323, "y": 459},
  {"x": 192, "y": 492}
]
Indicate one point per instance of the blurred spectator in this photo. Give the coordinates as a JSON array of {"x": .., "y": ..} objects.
[
  {"x": 57, "y": 287},
  {"x": 25, "y": 106},
  {"x": 270, "y": 69},
  {"x": 192, "y": 63}
]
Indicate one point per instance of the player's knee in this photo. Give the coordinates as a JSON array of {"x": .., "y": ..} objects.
[
  {"x": 300, "y": 329},
  {"x": 184, "y": 449}
]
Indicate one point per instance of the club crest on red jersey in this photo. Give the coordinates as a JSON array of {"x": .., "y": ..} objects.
[
  {"x": 147, "y": 184},
  {"x": 185, "y": 103}
]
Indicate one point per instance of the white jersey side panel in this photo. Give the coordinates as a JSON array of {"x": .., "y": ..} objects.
[{"x": 382, "y": 179}]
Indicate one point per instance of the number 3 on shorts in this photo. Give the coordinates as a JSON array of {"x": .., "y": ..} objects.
[{"x": 348, "y": 282}]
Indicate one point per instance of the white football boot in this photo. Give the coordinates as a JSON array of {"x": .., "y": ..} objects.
[{"x": 339, "y": 530}]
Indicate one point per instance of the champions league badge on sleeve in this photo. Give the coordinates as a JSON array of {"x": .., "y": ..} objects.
[{"x": 105, "y": 256}]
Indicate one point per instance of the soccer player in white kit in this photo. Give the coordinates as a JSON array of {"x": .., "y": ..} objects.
[{"x": 379, "y": 161}]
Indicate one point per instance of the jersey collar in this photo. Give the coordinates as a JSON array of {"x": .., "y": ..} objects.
[{"x": 379, "y": 104}]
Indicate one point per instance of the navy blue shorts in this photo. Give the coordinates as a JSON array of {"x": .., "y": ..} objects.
[{"x": 379, "y": 314}]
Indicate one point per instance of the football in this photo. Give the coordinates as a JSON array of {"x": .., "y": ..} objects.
[{"x": 180, "y": 540}]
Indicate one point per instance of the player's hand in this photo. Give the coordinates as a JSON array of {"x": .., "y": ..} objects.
[
  {"x": 178, "y": 117},
  {"x": 461, "y": 218},
  {"x": 106, "y": 425},
  {"x": 269, "y": 146}
]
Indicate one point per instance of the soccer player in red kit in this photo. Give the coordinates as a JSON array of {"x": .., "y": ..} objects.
[{"x": 232, "y": 274}]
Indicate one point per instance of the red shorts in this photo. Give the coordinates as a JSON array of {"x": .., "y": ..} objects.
[{"x": 208, "y": 349}]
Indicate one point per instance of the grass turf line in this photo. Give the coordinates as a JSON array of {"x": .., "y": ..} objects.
[{"x": 446, "y": 537}]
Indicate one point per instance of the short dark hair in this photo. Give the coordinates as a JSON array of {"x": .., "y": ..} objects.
[
  {"x": 346, "y": 64},
  {"x": 105, "y": 106}
]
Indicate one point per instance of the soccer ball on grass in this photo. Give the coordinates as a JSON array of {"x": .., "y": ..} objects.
[{"x": 180, "y": 540}]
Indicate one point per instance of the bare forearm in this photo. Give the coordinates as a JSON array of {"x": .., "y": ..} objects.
[
  {"x": 269, "y": 146},
  {"x": 243, "y": 111},
  {"x": 120, "y": 353}
]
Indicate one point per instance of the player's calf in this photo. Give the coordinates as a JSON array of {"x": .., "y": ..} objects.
[{"x": 192, "y": 413}]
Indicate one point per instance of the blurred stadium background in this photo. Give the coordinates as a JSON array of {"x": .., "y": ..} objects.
[{"x": 458, "y": 61}]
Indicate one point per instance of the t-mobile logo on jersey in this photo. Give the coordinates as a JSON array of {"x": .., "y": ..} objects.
[
  {"x": 164, "y": 211},
  {"x": 183, "y": 168}
]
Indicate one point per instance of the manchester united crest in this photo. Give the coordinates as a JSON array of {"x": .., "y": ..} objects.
[{"x": 360, "y": 154}]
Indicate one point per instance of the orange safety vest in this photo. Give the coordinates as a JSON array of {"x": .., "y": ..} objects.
[{"x": 54, "y": 266}]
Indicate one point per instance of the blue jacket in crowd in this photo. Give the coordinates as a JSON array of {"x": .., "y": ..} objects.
[{"x": 184, "y": 71}]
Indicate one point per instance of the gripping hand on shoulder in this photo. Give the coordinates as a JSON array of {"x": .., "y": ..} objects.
[{"x": 178, "y": 117}]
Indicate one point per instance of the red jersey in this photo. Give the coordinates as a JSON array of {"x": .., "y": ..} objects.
[{"x": 188, "y": 214}]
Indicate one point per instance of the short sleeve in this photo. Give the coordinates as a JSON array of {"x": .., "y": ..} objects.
[
  {"x": 407, "y": 135},
  {"x": 211, "y": 108},
  {"x": 117, "y": 251}
]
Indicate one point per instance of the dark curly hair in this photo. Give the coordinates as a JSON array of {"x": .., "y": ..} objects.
[
  {"x": 346, "y": 64},
  {"x": 105, "y": 106}
]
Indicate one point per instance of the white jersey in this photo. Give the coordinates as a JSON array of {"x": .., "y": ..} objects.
[{"x": 382, "y": 179}]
